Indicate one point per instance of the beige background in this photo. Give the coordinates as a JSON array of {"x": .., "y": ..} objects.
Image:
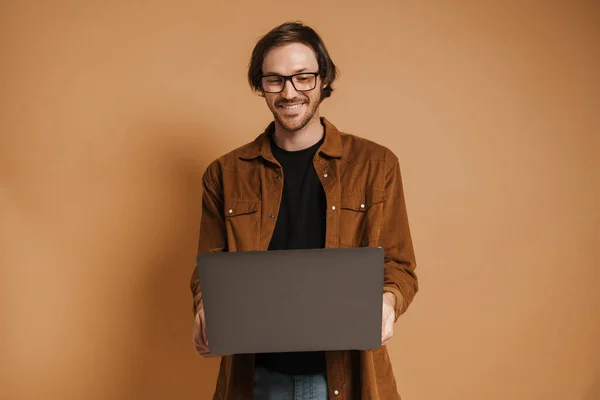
[{"x": 110, "y": 111}]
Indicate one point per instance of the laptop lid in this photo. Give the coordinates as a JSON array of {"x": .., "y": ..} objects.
[{"x": 292, "y": 300}]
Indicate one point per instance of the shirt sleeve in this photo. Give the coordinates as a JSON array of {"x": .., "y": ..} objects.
[
  {"x": 212, "y": 236},
  {"x": 399, "y": 270}
]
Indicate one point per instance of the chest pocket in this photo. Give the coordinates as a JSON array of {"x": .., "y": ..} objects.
[
  {"x": 360, "y": 218},
  {"x": 242, "y": 223}
]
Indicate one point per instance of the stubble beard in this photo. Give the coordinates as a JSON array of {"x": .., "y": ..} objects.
[{"x": 296, "y": 126}]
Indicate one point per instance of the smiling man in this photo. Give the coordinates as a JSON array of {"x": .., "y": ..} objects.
[{"x": 314, "y": 187}]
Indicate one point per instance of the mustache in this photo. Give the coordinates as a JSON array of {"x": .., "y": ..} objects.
[{"x": 293, "y": 101}]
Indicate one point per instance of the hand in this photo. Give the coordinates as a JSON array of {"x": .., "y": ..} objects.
[
  {"x": 199, "y": 335},
  {"x": 389, "y": 314}
]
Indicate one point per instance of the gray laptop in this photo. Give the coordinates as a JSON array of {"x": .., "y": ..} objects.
[{"x": 292, "y": 300}]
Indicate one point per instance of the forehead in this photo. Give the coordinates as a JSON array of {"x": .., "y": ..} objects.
[{"x": 289, "y": 59}]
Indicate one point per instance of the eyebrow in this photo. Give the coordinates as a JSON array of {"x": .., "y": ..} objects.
[{"x": 297, "y": 71}]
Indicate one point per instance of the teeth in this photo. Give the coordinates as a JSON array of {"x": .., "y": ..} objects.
[{"x": 292, "y": 107}]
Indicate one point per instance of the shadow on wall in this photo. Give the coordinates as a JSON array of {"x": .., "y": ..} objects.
[{"x": 166, "y": 365}]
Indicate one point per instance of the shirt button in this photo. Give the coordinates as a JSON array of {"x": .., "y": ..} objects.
[
  {"x": 336, "y": 392},
  {"x": 270, "y": 215},
  {"x": 333, "y": 208},
  {"x": 230, "y": 211},
  {"x": 325, "y": 175},
  {"x": 362, "y": 206}
]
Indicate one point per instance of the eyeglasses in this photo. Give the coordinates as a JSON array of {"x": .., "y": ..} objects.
[{"x": 302, "y": 82}]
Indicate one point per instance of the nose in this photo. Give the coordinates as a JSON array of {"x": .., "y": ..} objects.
[{"x": 288, "y": 90}]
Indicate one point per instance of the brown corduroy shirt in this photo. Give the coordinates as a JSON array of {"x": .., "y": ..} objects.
[{"x": 365, "y": 207}]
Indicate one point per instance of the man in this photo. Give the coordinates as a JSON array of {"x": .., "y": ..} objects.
[{"x": 304, "y": 184}]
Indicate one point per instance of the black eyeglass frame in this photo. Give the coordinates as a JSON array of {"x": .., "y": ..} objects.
[{"x": 289, "y": 78}]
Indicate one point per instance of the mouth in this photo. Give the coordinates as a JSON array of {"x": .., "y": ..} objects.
[{"x": 290, "y": 108}]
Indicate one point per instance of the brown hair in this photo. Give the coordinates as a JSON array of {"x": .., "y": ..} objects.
[{"x": 292, "y": 32}]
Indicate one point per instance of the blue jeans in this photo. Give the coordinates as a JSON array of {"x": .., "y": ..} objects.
[{"x": 271, "y": 385}]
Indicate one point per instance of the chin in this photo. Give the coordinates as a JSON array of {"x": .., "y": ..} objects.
[{"x": 294, "y": 124}]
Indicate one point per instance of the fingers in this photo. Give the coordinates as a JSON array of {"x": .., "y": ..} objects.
[
  {"x": 203, "y": 325},
  {"x": 386, "y": 336},
  {"x": 201, "y": 348},
  {"x": 387, "y": 329},
  {"x": 199, "y": 338}
]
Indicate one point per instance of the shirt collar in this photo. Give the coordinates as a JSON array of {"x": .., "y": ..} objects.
[{"x": 261, "y": 146}]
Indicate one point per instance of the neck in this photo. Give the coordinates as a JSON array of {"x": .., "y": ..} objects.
[{"x": 301, "y": 139}]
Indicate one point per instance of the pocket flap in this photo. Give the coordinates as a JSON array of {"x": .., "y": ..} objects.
[
  {"x": 362, "y": 201},
  {"x": 240, "y": 207}
]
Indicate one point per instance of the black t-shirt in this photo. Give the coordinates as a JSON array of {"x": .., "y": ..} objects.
[{"x": 300, "y": 225}]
